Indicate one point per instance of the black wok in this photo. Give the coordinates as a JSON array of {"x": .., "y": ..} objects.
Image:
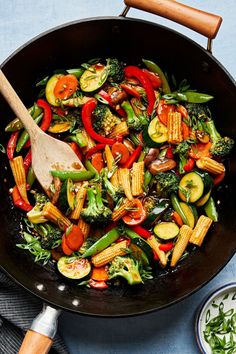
[{"x": 130, "y": 40}]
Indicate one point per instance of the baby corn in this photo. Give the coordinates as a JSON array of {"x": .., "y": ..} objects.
[
  {"x": 152, "y": 241},
  {"x": 52, "y": 213},
  {"x": 18, "y": 171},
  {"x": 124, "y": 181},
  {"x": 107, "y": 255},
  {"x": 174, "y": 128},
  {"x": 122, "y": 209},
  {"x": 84, "y": 227},
  {"x": 185, "y": 233},
  {"x": 137, "y": 178},
  {"x": 79, "y": 199},
  {"x": 120, "y": 129},
  {"x": 200, "y": 230},
  {"x": 111, "y": 164},
  {"x": 210, "y": 165}
]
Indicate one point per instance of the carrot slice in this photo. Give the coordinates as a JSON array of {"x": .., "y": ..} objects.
[
  {"x": 65, "y": 86},
  {"x": 100, "y": 274},
  {"x": 119, "y": 149},
  {"x": 177, "y": 218},
  {"x": 64, "y": 246},
  {"x": 163, "y": 110},
  {"x": 97, "y": 161},
  {"x": 74, "y": 238},
  {"x": 200, "y": 150},
  {"x": 185, "y": 130}
]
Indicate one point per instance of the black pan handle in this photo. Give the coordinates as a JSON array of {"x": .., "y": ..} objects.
[{"x": 202, "y": 22}]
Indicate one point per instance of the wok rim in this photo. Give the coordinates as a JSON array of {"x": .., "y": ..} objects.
[{"x": 199, "y": 47}]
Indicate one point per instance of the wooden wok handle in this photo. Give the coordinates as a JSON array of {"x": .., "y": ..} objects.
[
  {"x": 35, "y": 343},
  {"x": 202, "y": 22},
  {"x": 39, "y": 338}
]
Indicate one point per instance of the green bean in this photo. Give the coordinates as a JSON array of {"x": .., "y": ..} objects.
[
  {"x": 77, "y": 72},
  {"x": 76, "y": 176},
  {"x": 147, "y": 178},
  {"x": 102, "y": 243},
  {"x": 16, "y": 124},
  {"x": 92, "y": 169},
  {"x": 25, "y": 135},
  {"x": 210, "y": 209},
  {"x": 157, "y": 70},
  {"x": 142, "y": 156}
]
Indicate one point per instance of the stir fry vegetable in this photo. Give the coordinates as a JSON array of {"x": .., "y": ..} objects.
[{"x": 153, "y": 157}]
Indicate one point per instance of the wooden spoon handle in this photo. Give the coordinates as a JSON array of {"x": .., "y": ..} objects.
[
  {"x": 17, "y": 106},
  {"x": 202, "y": 22},
  {"x": 35, "y": 343}
]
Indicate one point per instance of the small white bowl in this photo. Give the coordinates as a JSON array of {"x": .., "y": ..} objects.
[{"x": 215, "y": 298}]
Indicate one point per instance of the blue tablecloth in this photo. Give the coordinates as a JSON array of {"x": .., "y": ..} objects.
[{"x": 169, "y": 330}]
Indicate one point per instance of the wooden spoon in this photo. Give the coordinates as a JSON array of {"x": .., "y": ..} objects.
[{"x": 47, "y": 153}]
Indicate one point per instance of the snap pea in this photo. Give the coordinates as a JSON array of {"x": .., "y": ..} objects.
[
  {"x": 147, "y": 178},
  {"x": 102, "y": 243},
  {"x": 193, "y": 97},
  {"x": 75, "y": 176},
  {"x": 25, "y": 135},
  {"x": 78, "y": 138},
  {"x": 210, "y": 209},
  {"x": 30, "y": 177},
  {"x": 77, "y": 72},
  {"x": 176, "y": 206},
  {"x": 142, "y": 156},
  {"x": 157, "y": 70},
  {"x": 92, "y": 169},
  {"x": 16, "y": 124}
]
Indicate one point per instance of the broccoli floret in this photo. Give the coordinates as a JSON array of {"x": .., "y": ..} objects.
[
  {"x": 134, "y": 122},
  {"x": 116, "y": 70},
  {"x": 182, "y": 148},
  {"x": 50, "y": 236},
  {"x": 96, "y": 211},
  {"x": 221, "y": 146},
  {"x": 198, "y": 111},
  {"x": 168, "y": 182},
  {"x": 127, "y": 268},
  {"x": 36, "y": 215},
  {"x": 115, "y": 193},
  {"x": 104, "y": 120}
]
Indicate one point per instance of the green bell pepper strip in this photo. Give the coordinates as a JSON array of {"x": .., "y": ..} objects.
[
  {"x": 105, "y": 241},
  {"x": 176, "y": 206},
  {"x": 16, "y": 124},
  {"x": 193, "y": 97},
  {"x": 157, "y": 70},
  {"x": 75, "y": 176},
  {"x": 210, "y": 209},
  {"x": 25, "y": 135}
]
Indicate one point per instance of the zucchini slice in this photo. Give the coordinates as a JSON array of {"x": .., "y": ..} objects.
[
  {"x": 66, "y": 198},
  {"x": 202, "y": 201},
  {"x": 157, "y": 131},
  {"x": 188, "y": 213},
  {"x": 207, "y": 180},
  {"x": 155, "y": 208},
  {"x": 74, "y": 267},
  {"x": 166, "y": 230},
  {"x": 148, "y": 141},
  {"x": 49, "y": 90},
  {"x": 191, "y": 184},
  {"x": 141, "y": 250},
  {"x": 93, "y": 78}
]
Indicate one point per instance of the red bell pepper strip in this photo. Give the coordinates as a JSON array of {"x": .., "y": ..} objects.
[
  {"x": 130, "y": 90},
  {"x": 27, "y": 161},
  {"x": 18, "y": 201},
  {"x": 94, "y": 149},
  {"x": 47, "y": 114},
  {"x": 133, "y": 157},
  {"x": 219, "y": 178},
  {"x": 95, "y": 284},
  {"x": 11, "y": 145},
  {"x": 154, "y": 78},
  {"x": 47, "y": 117},
  {"x": 86, "y": 116},
  {"x": 166, "y": 246},
  {"x": 169, "y": 153},
  {"x": 189, "y": 166},
  {"x": 103, "y": 94},
  {"x": 141, "y": 231},
  {"x": 76, "y": 149},
  {"x": 134, "y": 71}
]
